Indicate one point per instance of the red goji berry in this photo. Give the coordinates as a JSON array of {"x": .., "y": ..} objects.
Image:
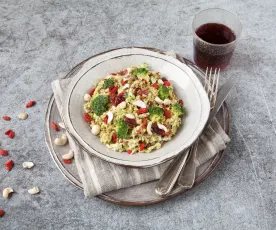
[
  {"x": 114, "y": 138},
  {"x": 122, "y": 72},
  {"x": 164, "y": 79},
  {"x": 8, "y": 132},
  {"x": 3, "y": 152},
  {"x": 30, "y": 104},
  {"x": 2, "y": 213},
  {"x": 68, "y": 161},
  {"x": 167, "y": 114},
  {"x": 92, "y": 92},
  {"x": 105, "y": 119},
  {"x": 6, "y": 118},
  {"x": 129, "y": 151},
  {"x": 113, "y": 89},
  {"x": 87, "y": 118},
  {"x": 167, "y": 83},
  {"x": 142, "y": 146},
  {"x": 142, "y": 110},
  {"x": 155, "y": 85},
  {"x": 55, "y": 127},
  {"x": 123, "y": 82},
  {"x": 181, "y": 101},
  {"x": 9, "y": 165},
  {"x": 11, "y": 134},
  {"x": 144, "y": 122}
]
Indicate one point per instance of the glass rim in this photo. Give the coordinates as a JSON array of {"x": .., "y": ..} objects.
[{"x": 237, "y": 37}]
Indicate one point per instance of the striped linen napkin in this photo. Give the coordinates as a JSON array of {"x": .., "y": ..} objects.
[{"x": 99, "y": 176}]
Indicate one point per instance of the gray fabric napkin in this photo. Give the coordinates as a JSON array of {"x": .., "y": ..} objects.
[{"x": 99, "y": 176}]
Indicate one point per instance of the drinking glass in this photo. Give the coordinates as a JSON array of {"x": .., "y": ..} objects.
[{"x": 215, "y": 54}]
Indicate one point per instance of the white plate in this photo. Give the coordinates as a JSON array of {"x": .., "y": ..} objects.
[{"x": 186, "y": 85}]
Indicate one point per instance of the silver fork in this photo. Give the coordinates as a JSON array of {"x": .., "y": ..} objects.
[{"x": 170, "y": 176}]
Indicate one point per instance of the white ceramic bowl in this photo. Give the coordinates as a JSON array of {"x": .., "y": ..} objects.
[{"x": 186, "y": 86}]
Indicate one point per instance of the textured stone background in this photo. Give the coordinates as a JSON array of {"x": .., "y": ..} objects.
[{"x": 39, "y": 40}]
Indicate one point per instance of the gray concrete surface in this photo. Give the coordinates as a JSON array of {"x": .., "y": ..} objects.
[{"x": 39, "y": 40}]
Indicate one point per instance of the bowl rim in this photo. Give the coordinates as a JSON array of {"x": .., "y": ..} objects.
[{"x": 143, "y": 163}]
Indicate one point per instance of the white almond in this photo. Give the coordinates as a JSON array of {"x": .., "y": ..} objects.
[
  {"x": 86, "y": 97},
  {"x": 61, "y": 125},
  {"x": 130, "y": 116},
  {"x": 158, "y": 100},
  {"x": 68, "y": 156},
  {"x": 167, "y": 102},
  {"x": 61, "y": 140},
  {"x": 149, "y": 128},
  {"x": 126, "y": 86},
  {"x": 22, "y": 116},
  {"x": 95, "y": 129},
  {"x": 6, "y": 192},
  {"x": 110, "y": 117},
  {"x": 33, "y": 190},
  {"x": 122, "y": 105},
  {"x": 27, "y": 164},
  {"x": 163, "y": 127},
  {"x": 140, "y": 104},
  {"x": 160, "y": 81}
]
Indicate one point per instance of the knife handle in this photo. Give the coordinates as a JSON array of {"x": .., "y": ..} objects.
[{"x": 167, "y": 181}]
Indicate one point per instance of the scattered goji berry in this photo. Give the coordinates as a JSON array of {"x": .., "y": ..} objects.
[
  {"x": 30, "y": 104},
  {"x": 181, "y": 101},
  {"x": 55, "y": 127},
  {"x": 114, "y": 138},
  {"x": 92, "y": 92},
  {"x": 167, "y": 83},
  {"x": 155, "y": 85},
  {"x": 87, "y": 118},
  {"x": 167, "y": 114},
  {"x": 2, "y": 212},
  {"x": 3, "y": 152},
  {"x": 142, "y": 110},
  {"x": 113, "y": 89},
  {"x": 122, "y": 72},
  {"x": 11, "y": 134},
  {"x": 129, "y": 151},
  {"x": 9, "y": 165},
  {"x": 68, "y": 161},
  {"x": 164, "y": 79},
  {"x": 6, "y": 118},
  {"x": 142, "y": 146},
  {"x": 123, "y": 82},
  {"x": 8, "y": 132},
  {"x": 105, "y": 119}
]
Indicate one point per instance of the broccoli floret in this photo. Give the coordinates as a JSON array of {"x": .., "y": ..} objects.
[
  {"x": 108, "y": 82},
  {"x": 163, "y": 92},
  {"x": 99, "y": 104},
  {"x": 178, "y": 109},
  {"x": 141, "y": 71},
  {"x": 156, "y": 113},
  {"x": 121, "y": 128}
]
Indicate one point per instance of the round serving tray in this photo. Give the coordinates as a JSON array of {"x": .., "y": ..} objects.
[{"x": 138, "y": 195}]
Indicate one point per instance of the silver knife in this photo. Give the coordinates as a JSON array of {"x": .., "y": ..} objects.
[{"x": 170, "y": 176}]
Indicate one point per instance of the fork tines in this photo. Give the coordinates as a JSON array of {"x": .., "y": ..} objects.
[{"x": 211, "y": 83}]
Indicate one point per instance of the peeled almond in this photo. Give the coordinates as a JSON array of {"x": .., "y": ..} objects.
[
  {"x": 95, "y": 129},
  {"x": 110, "y": 117},
  {"x": 167, "y": 102},
  {"x": 158, "y": 100},
  {"x": 130, "y": 116},
  {"x": 163, "y": 127},
  {"x": 160, "y": 81},
  {"x": 61, "y": 140},
  {"x": 122, "y": 105},
  {"x": 27, "y": 164},
  {"x": 149, "y": 128},
  {"x": 86, "y": 97},
  {"x": 140, "y": 104},
  {"x": 22, "y": 116},
  {"x": 33, "y": 190},
  {"x": 68, "y": 156}
]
